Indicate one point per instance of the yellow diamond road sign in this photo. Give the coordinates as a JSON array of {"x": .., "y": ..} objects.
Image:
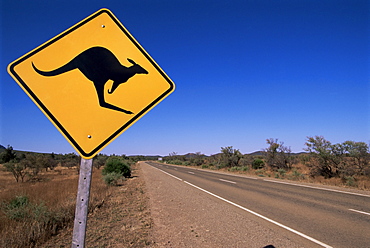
[{"x": 92, "y": 81}]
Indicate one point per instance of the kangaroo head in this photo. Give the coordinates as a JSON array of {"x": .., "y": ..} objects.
[
  {"x": 128, "y": 73},
  {"x": 136, "y": 68}
]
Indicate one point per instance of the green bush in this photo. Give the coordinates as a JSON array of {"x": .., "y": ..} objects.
[
  {"x": 35, "y": 222},
  {"x": 282, "y": 172},
  {"x": 20, "y": 208},
  {"x": 296, "y": 175},
  {"x": 117, "y": 165},
  {"x": 112, "y": 178},
  {"x": 17, "y": 208},
  {"x": 350, "y": 181},
  {"x": 239, "y": 168},
  {"x": 187, "y": 163},
  {"x": 176, "y": 162},
  {"x": 258, "y": 164}
]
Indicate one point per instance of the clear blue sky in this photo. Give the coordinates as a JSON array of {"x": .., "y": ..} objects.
[{"x": 244, "y": 71}]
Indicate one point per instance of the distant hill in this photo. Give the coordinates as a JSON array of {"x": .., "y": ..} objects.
[
  {"x": 2, "y": 147},
  {"x": 257, "y": 153},
  {"x": 192, "y": 155}
]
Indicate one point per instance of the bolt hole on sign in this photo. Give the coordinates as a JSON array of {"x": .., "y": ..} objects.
[{"x": 93, "y": 81}]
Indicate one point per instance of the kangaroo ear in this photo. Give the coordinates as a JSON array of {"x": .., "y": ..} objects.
[{"x": 131, "y": 61}]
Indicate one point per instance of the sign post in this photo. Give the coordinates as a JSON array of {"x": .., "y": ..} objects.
[
  {"x": 82, "y": 203},
  {"x": 93, "y": 81}
]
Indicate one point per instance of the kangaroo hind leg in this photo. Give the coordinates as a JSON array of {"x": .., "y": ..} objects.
[{"x": 104, "y": 104}]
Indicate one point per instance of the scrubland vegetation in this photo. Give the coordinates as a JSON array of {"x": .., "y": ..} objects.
[
  {"x": 38, "y": 193},
  {"x": 342, "y": 164}
]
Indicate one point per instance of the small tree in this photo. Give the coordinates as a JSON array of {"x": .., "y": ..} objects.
[
  {"x": 34, "y": 162},
  {"x": 197, "y": 159},
  {"x": 325, "y": 158},
  {"x": 99, "y": 161},
  {"x": 278, "y": 156},
  {"x": 49, "y": 161},
  {"x": 230, "y": 157},
  {"x": 18, "y": 169},
  {"x": 7, "y": 155},
  {"x": 70, "y": 160},
  {"x": 358, "y": 154}
]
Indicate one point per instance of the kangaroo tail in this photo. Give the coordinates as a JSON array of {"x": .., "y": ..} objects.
[{"x": 65, "y": 68}]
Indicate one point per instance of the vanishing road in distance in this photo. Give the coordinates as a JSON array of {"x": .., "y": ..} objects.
[{"x": 325, "y": 216}]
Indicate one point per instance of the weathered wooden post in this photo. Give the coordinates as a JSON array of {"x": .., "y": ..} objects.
[{"x": 82, "y": 203}]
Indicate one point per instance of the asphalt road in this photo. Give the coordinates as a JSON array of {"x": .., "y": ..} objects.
[{"x": 324, "y": 216}]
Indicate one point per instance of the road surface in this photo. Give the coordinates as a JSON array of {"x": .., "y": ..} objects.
[{"x": 307, "y": 215}]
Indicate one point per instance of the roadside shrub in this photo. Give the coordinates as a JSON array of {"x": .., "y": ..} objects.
[
  {"x": 117, "y": 165},
  {"x": 260, "y": 173},
  {"x": 176, "y": 162},
  {"x": 20, "y": 208},
  {"x": 112, "y": 178},
  {"x": 31, "y": 223},
  {"x": 296, "y": 175},
  {"x": 17, "y": 208},
  {"x": 258, "y": 164},
  {"x": 282, "y": 172},
  {"x": 234, "y": 168},
  {"x": 221, "y": 166},
  {"x": 239, "y": 168},
  {"x": 350, "y": 181},
  {"x": 205, "y": 166}
]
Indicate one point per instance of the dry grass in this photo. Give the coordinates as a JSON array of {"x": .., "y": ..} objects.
[
  {"x": 123, "y": 221},
  {"x": 56, "y": 190}
]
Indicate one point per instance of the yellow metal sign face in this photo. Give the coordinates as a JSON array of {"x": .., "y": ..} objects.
[{"x": 92, "y": 81}]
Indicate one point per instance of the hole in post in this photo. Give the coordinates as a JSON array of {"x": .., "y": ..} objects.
[
  {"x": 89, "y": 136},
  {"x": 103, "y": 26}
]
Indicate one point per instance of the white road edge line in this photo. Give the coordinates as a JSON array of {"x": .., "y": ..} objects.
[
  {"x": 227, "y": 181},
  {"x": 361, "y": 212},
  {"x": 252, "y": 212},
  {"x": 313, "y": 187},
  {"x": 191, "y": 172},
  {"x": 227, "y": 174},
  {"x": 170, "y": 174},
  {"x": 261, "y": 216}
]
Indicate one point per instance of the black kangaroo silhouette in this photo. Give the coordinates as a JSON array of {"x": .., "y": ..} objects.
[{"x": 99, "y": 65}]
